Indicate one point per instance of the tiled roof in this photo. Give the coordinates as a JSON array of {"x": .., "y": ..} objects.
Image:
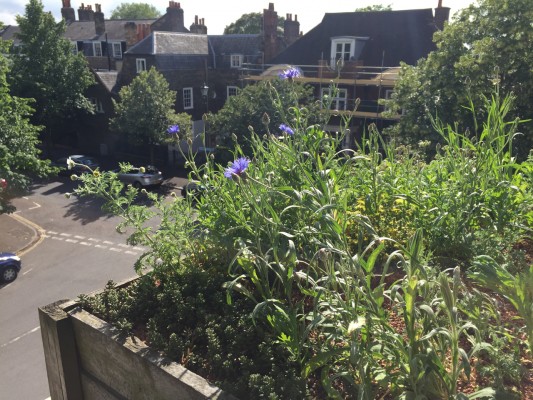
[
  {"x": 107, "y": 78},
  {"x": 235, "y": 44},
  {"x": 114, "y": 28},
  {"x": 168, "y": 43},
  {"x": 9, "y": 32},
  {"x": 393, "y": 36}
]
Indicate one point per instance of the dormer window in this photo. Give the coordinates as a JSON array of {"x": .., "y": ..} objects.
[
  {"x": 346, "y": 48},
  {"x": 236, "y": 60}
]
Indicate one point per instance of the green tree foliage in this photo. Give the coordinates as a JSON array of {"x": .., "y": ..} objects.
[
  {"x": 45, "y": 68},
  {"x": 135, "y": 11},
  {"x": 19, "y": 155},
  {"x": 263, "y": 107},
  {"x": 486, "y": 45},
  {"x": 251, "y": 23},
  {"x": 146, "y": 110},
  {"x": 375, "y": 7}
]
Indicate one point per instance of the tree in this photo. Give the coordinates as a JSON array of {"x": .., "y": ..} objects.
[
  {"x": 19, "y": 154},
  {"x": 258, "y": 106},
  {"x": 375, "y": 7},
  {"x": 45, "y": 69},
  {"x": 135, "y": 11},
  {"x": 146, "y": 110},
  {"x": 486, "y": 48},
  {"x": 251, "y": 23}
]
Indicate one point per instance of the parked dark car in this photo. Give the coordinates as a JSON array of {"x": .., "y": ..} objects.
[
  {"x": 83, "y": 164},
  {"x": 195, "y": 189},
  {"x": 149, "y": 176},
  {"x": 9, "y": 267}
]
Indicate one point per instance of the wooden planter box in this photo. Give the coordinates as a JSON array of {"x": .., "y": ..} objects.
[{"x": 87, "y": 358}]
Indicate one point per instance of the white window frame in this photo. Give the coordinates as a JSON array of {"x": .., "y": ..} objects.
[
  {"x": 339, "y": 102},
  {"x": 236, "y": 60},
  {"x": 188, "y": 102},
  {"x": 97, "y": 49},
  {"x": 74, "y": 48},
  {"x": 140, "y": 64},
  {"x": 98, "y": 107},
  {"x": 346, "y": 55},
  {"x": 232, "y": 91},
  {"x": 117, "y": 49}
]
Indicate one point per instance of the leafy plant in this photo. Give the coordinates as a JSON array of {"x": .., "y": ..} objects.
[{"x": 518, "y": 289}]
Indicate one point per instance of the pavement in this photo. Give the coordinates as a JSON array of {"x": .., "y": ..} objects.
[{"x": 17, "y": 234}]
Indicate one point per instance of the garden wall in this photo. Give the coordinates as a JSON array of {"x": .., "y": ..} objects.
[{"x": 87, "y": 358}]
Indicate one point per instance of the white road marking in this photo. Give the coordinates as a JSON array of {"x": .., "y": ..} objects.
[
  {"x": 36, "y": 206},
  {"x": 26, "y": 271},
  {"x": 122, "y": 247},
  {"x": 21, "y": 336}
]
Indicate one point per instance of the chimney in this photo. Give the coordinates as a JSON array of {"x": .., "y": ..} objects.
[
  {"x": 175, "y": 17},
  {"x": 442, "y": 15},
  {"x": 291, "y": 29},
  {"x": 198, "y": 26},
  {"x": 270, "y": 32},
  {"x": 130, "y": 33},
  {"x": 67, "y": 12},
  {"x": 85, "y": 13},
  {"x": 99, "y": 22}
]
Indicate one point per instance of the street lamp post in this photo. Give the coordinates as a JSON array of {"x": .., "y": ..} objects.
[
  {"x": 205, "y": 91},
  {"x": 205, "y": 94}
]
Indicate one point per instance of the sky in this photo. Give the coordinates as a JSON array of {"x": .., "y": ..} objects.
[{"x": 218, "y": 14}]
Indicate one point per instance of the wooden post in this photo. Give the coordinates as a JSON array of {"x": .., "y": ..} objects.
[{"x": 60, "y": 353}]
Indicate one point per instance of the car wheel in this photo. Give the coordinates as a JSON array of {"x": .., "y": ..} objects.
[
  {"x": 137, "y": 185},
  {"x": 9, "y": 274}
]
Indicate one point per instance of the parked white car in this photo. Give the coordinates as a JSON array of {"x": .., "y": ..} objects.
[{"x": 141, "y": 177}]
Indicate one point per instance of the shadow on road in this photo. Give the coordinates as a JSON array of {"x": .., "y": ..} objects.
[{"x": 86, "y": 209}]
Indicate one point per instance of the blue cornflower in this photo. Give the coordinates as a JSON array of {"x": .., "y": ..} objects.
[
  {"x": 237, "y": 167},
  {"x": 287, "y": 129},
  {"x": 291, "y": 73},
  {"x": 173, "y": 129}
]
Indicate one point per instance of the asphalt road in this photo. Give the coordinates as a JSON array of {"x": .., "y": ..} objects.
[{"x": 79, "y": 252}]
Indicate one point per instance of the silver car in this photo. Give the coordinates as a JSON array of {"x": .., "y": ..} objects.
[
  {"x": 82, "y": 164},
  {"x": 139, "y": 178}
]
